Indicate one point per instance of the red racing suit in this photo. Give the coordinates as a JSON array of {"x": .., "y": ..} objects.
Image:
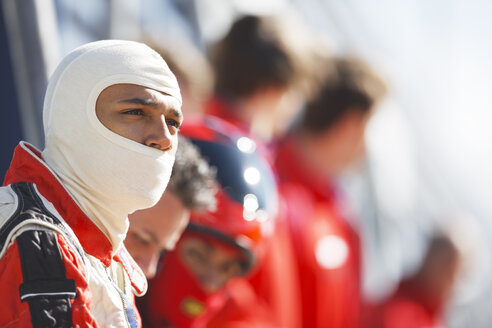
[
  {"x": 326, "y": 246},
  {"x": 243, "y": 309},
  {"x": 275, "y": 278},
  {"x": 410, "y": 306},
  {"x": 56, "y": 266}
]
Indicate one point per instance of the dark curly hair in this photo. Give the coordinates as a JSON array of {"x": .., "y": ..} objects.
[{"x": 192, "y": 179}]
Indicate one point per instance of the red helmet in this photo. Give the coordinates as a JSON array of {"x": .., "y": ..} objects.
[{"x": 247, "y": 196}]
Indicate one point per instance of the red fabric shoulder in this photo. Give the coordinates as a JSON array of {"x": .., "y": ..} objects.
[
  {"x": 13, "y": 313},
  {"x": 28, "y": 166},
  {"x": 74, "y": 269}
]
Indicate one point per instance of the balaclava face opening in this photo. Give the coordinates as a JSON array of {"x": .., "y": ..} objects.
[{"x": 108, "y": 175}]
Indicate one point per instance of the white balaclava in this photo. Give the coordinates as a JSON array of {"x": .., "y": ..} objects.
[{"x": 108, "y": 175}]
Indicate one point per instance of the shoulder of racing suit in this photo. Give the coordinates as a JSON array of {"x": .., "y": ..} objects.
[{"x": 32, "y": 223}]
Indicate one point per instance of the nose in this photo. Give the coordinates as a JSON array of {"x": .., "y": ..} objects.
[
  {"x": 159, "y": 136},
  {"x": 213, "y": 279}
]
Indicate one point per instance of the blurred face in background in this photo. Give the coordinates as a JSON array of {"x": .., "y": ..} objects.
[
  {"x": 154, "y": 230},
  {"x": 212, "y": 263},
  {"x": 275, "y": 108},
  {"x": 351, "y": 138},
  {"x": 342, "y": 145}
]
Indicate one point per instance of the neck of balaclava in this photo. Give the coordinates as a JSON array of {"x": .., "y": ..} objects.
[{"x": 105, "y": 210}]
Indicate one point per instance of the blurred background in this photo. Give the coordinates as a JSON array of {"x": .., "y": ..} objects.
[{"x": 428, "y": 146}]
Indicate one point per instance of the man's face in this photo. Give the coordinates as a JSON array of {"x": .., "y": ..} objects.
[
  {"x": 343, "y": 143},
  {"x": 155, "y": 229},
  {"x": 275, "y": 108},
  {"x": 211, "y": 264},
  {"x": 141, "y": 114}
]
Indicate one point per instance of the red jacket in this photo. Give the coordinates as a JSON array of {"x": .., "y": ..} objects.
[
  {"x": 275, "y": 279},
  {"x": 326, "y": 246},
  {"x": 243, "y": 309},
  {"x": 56, "y": 266},
  {"x": 410, "y": 306}
]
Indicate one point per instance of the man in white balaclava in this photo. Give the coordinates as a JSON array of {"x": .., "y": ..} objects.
[{"x": 111, "y": 116}]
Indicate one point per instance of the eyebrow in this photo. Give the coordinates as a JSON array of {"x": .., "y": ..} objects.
[
  {"x": 176, "y": 113},
  {"x": 150, "y": 103},
  {"x": 139, "y": 101}
]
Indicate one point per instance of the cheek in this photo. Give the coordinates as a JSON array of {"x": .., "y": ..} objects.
[
  {"x": 127, "y": 129},
  {"x": 354, "y": 144},
  {"x": 174, "y": 140},
  {"x": 135, "y": 247},
  {"x": 360, "y": 146},
  {"x": 196, "y": 267},
  {"x": 131, "y": 245},
  {"x": 234, "y": 271},
  {"x": 133, "y": 130}
]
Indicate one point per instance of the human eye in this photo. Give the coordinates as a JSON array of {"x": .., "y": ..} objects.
[
  {"x": 174, "y": 123},
  {"x": 134, "y": 112},
  {"x": 140, "y": 239},
  {"x": 196, "y": 255}
]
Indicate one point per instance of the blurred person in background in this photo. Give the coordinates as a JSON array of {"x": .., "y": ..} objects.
[
  {"x": 157, "y": 229},
  {"x": 193, "y": 72},
  {"x": 194, "y": 286},
  {"x": 326, "y": 140},
  {"x": 258, "y": 66},
  {"x": 111, "y": 117}
]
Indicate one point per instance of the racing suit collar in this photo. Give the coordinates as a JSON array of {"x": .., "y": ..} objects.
[{"x": 28, "y": 166}]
